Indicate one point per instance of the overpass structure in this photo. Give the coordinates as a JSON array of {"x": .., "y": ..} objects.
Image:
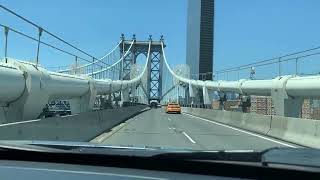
[{"x": 26, "y": 87}]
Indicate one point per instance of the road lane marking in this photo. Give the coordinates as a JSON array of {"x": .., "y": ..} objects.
[
  {"x": 243, "y": 131},
  {"x": 190, "y": 139},
  {"x": 169, "y": 119},
  {"x": 21, "y": 122},
  {"x": 104, "y": 136}
]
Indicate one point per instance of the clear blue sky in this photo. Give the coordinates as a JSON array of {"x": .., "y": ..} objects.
[{"x": 245, "y": 31}]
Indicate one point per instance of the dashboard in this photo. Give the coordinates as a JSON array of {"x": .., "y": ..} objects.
[
  {"x": 68, "y": 162},
  {"x": 53, "y": 171}
]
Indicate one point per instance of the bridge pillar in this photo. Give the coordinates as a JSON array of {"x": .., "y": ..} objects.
[
  {"x": 34, "y": 98},
  {"x": 133, "y": 92},
  {"x": 154, "y": 75},
  {"x": 206, "y": 98},
  {"x": 222, "y": 100},
  {"x": 192, "y": 93},
  {"x": 84, "y": 103},
  {"x": 245, "y": 103},
  {"x": 192, "y": 90},
  {"x": 285, "y": 105},
  {"x": 124, "y": 96},
  {"x": 128, "y": 60},
  {"x": 106, "y": 102}
]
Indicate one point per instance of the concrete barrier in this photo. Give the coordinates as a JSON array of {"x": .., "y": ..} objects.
[
  {"x": 305, "y": 132},
  {"x": 300, "y": 131},
  {"x": 253, "y": 122},
  {"x": 81, "y": 127}
]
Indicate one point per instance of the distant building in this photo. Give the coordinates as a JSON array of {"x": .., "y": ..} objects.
[
  {"x": 315, "y": 108},
  {"x": 306, "y": 110},
  {"x": 262, "y": 105},
  {"x": 200, "y": 38},
  {"x": 215, "y": 104},
  {"x": 316, "y": 113},
  {"x": 232, "y": 105}
]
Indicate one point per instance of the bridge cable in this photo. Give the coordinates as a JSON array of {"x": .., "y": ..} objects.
[
  {"x": 44, "y": 43},
  {"x": 46, "y": 31}
]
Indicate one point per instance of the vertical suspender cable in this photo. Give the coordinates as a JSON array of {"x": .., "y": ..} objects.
[
  {"x": 6, "y": 32},
  {"x": 38, "y": 49}
]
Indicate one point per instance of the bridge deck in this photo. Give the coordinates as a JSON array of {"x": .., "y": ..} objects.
[{"x": 156, "y": 128}]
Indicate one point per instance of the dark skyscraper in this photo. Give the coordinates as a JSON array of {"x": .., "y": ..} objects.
[{"x": 200, "y": 38}]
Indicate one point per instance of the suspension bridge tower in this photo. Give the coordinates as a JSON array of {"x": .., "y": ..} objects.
[{"x": 153, "y": 86}]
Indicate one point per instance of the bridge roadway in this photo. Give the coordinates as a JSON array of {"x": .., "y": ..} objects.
[{"x": 158, "y": 129}]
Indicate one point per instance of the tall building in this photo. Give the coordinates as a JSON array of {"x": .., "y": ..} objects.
[{"x": 200, "y": 34}]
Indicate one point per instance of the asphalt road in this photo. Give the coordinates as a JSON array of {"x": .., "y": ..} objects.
[{"x": 155, "y": 128}]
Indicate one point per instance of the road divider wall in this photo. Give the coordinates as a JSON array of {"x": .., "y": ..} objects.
[
  {"x": 300, "y": 131},
  {"x": 79, "y": 127},
  {"x": 305, "y": 132},
  {"x": 253, "y": 122}
]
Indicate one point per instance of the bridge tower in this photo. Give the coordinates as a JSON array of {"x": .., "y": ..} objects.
[{"x": 155, "y": 64}]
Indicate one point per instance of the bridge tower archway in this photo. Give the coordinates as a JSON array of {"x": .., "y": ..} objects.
[{"x": 154, "y": 67}]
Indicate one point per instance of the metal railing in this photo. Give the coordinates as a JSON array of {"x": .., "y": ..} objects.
[{"x": 269, "y": 68}]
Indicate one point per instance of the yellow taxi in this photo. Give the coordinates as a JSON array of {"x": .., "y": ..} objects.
[{"x": 173, "y": 108}]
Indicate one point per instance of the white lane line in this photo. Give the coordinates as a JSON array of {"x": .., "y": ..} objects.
[
  {"x": 104, "y": 136},
  {"x": 21, "y": 122},
  {"x": 190, "y": 139},
  {"x": 243, "y": 131},
  {"x": 169, "y": 119}
]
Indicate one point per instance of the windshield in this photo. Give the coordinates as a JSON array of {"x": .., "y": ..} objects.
[{"x": 245, "y": 74}]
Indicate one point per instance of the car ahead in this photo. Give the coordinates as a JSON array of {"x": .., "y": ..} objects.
[
  {"x": 154, "y": 104},
  {"x": 173, "y": 108}
]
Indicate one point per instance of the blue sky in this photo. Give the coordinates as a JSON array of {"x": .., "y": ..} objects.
[{"x": 245, "y": 31}]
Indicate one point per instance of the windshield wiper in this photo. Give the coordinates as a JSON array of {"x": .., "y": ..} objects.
[
  {"x": 223, "y": 155},
  {"x": 150, "y": 152},
  {"x": 154, "y": 152}
]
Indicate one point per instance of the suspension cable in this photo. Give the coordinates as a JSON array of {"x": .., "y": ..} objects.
[
  {"x": 46, "y": 31},
  {"x": 95, "y": 62},
  {"x": 267, "y": 60},
  {"x": 116, "y": 63},
  {"x": 44, "y": 43}
]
